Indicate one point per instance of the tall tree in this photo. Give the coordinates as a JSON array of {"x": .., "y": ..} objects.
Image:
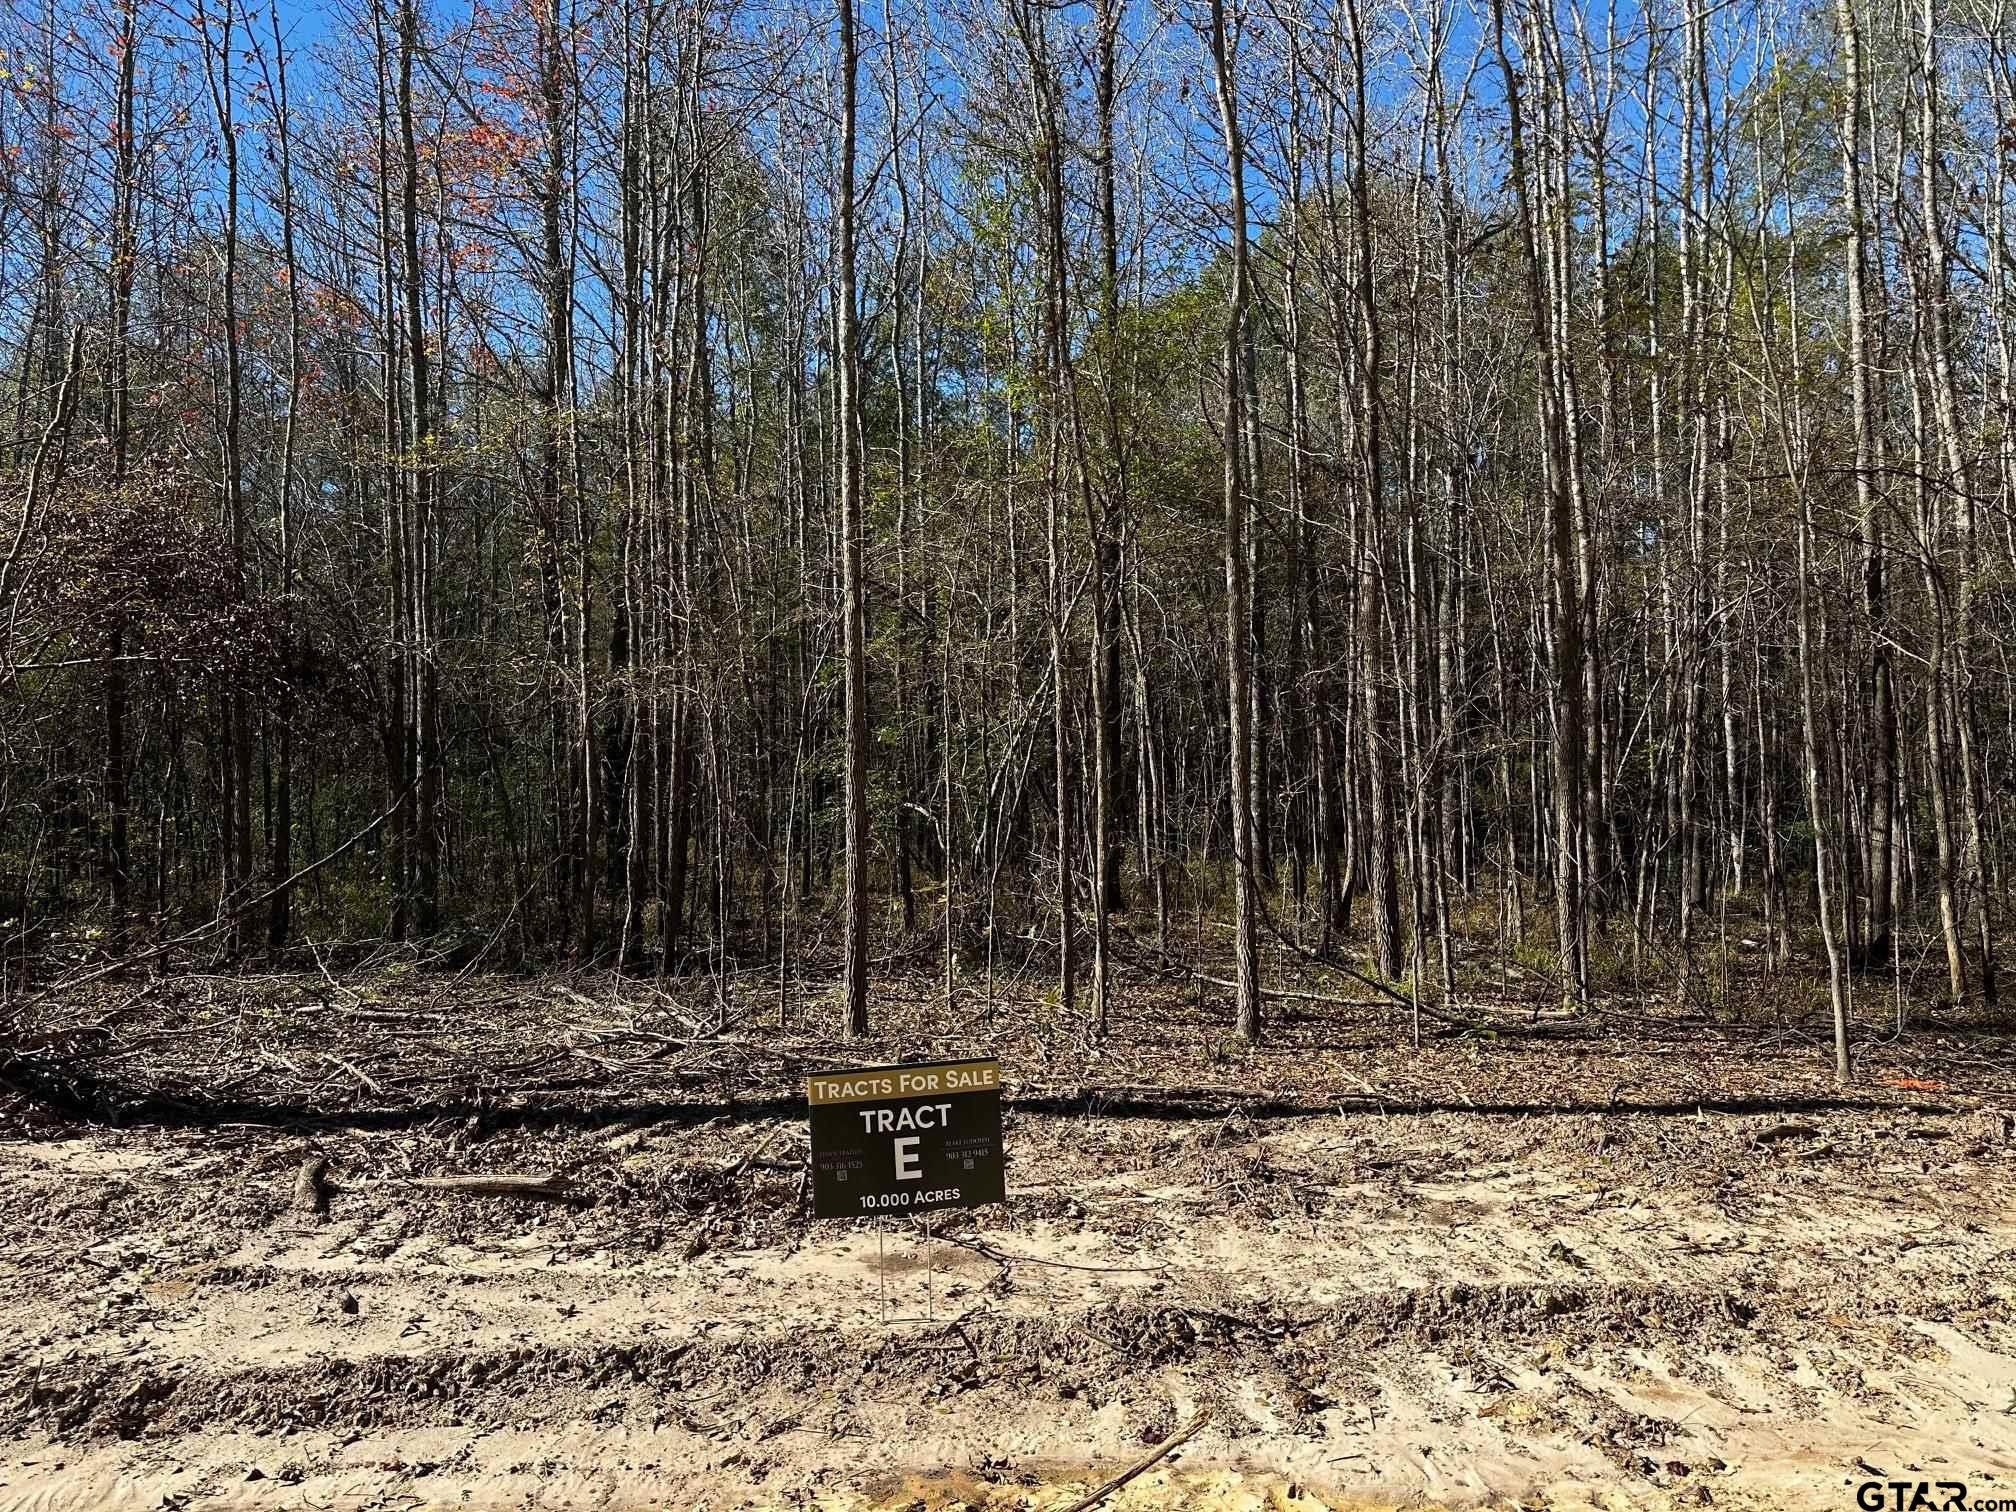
[
  {"x": 1223, "y": 42},
  {"x": 853, "y": 590}
]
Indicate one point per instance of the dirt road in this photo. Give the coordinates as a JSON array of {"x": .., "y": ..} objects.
[
  {"x": 1582, "y": 1309},
  {"x": 1618, "y": 1264}
]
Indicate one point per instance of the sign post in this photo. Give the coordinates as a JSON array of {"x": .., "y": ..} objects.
[{"x": 906, "y": 1139}]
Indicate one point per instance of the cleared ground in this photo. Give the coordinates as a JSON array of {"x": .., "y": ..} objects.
[{"x": 1622, "y": 1262}]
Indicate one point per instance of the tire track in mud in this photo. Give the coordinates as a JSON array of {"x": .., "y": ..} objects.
[{"x": 1300, "y": 1355}]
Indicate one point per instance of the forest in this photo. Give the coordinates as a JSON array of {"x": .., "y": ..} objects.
[{"x": 680, "y": 486}]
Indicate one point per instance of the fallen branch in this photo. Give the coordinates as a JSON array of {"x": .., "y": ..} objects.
[
  {"x": 717, "y": 1042},
  {"x": 1176, "y": 1094},
  {"x": 230, "y": 916},
  {"x": 737, "y": 1167},
  {"x": 1147, "y": 1462},
  {"x": 339, "y": 1062},
  {"x": 552, "y": 1187},
  {"x": 1412, "y": 1004},
  {"x": 1300, "y": 997}
]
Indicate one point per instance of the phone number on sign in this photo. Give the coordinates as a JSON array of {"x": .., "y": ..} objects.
[{"x": 907, "y": 1199}]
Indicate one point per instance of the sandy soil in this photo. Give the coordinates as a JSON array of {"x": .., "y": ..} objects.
[{"x": 1632, "y": 1302}]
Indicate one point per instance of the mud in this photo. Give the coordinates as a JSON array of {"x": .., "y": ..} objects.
[{"x": 1673, "y": 1304}]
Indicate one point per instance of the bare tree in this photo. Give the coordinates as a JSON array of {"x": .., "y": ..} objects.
[{"x": 1223, "y": 42}]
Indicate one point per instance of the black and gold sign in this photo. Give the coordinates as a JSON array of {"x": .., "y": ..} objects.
[{"x": 906, "y": 1139}]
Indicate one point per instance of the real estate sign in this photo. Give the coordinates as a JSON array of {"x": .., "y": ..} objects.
[{"x": 906, "y": 1139}]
